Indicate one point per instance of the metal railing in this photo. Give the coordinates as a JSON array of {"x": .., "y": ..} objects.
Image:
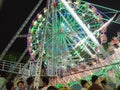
[{"x": 9, "y": 66}]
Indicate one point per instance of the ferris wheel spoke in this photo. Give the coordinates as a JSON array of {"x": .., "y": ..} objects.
[{"x": 66, "y": 38}]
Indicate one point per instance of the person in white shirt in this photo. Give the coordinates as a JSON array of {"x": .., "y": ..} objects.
[{"x": 84, "y": 84}]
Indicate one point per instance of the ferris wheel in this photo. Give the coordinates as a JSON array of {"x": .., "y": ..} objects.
[
  {"x": 58, "y": 34},
  {"x": 64, "y": 34}
]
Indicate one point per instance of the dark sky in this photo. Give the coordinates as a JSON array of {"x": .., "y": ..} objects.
[{"x": 14, "y": 12}]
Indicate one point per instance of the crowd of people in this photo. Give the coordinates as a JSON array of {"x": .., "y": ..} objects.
[
  {"x": 96, "y": 83},
  {"x": 29, "y": 85}
]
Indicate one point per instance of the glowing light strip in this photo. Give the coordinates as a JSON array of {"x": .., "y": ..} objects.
[{"x": 106, "y": 24}]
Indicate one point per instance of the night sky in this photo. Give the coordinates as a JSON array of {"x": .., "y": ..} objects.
[{"x": 14, "y": 12}]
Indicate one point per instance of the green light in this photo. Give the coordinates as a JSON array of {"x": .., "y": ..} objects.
[{"x": 32, "y": 30}]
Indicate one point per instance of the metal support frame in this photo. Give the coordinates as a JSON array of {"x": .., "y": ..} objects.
[
  {"x": 17, "y": 35},
  {"x": 20, "y": 30}
]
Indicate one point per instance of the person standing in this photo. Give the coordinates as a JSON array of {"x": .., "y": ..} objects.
[
  {"x": 30, "y": 83},
  {"x": 95, "y": 83},
  {"x": 52, "y": 88},
  {"x": 84, "y": 84},
  {"x": 45, "y": 82},
  {"x": 20, "y": 85},
  {"x": 10, "y": 85},
  {"x": 104, "y": 85}
]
